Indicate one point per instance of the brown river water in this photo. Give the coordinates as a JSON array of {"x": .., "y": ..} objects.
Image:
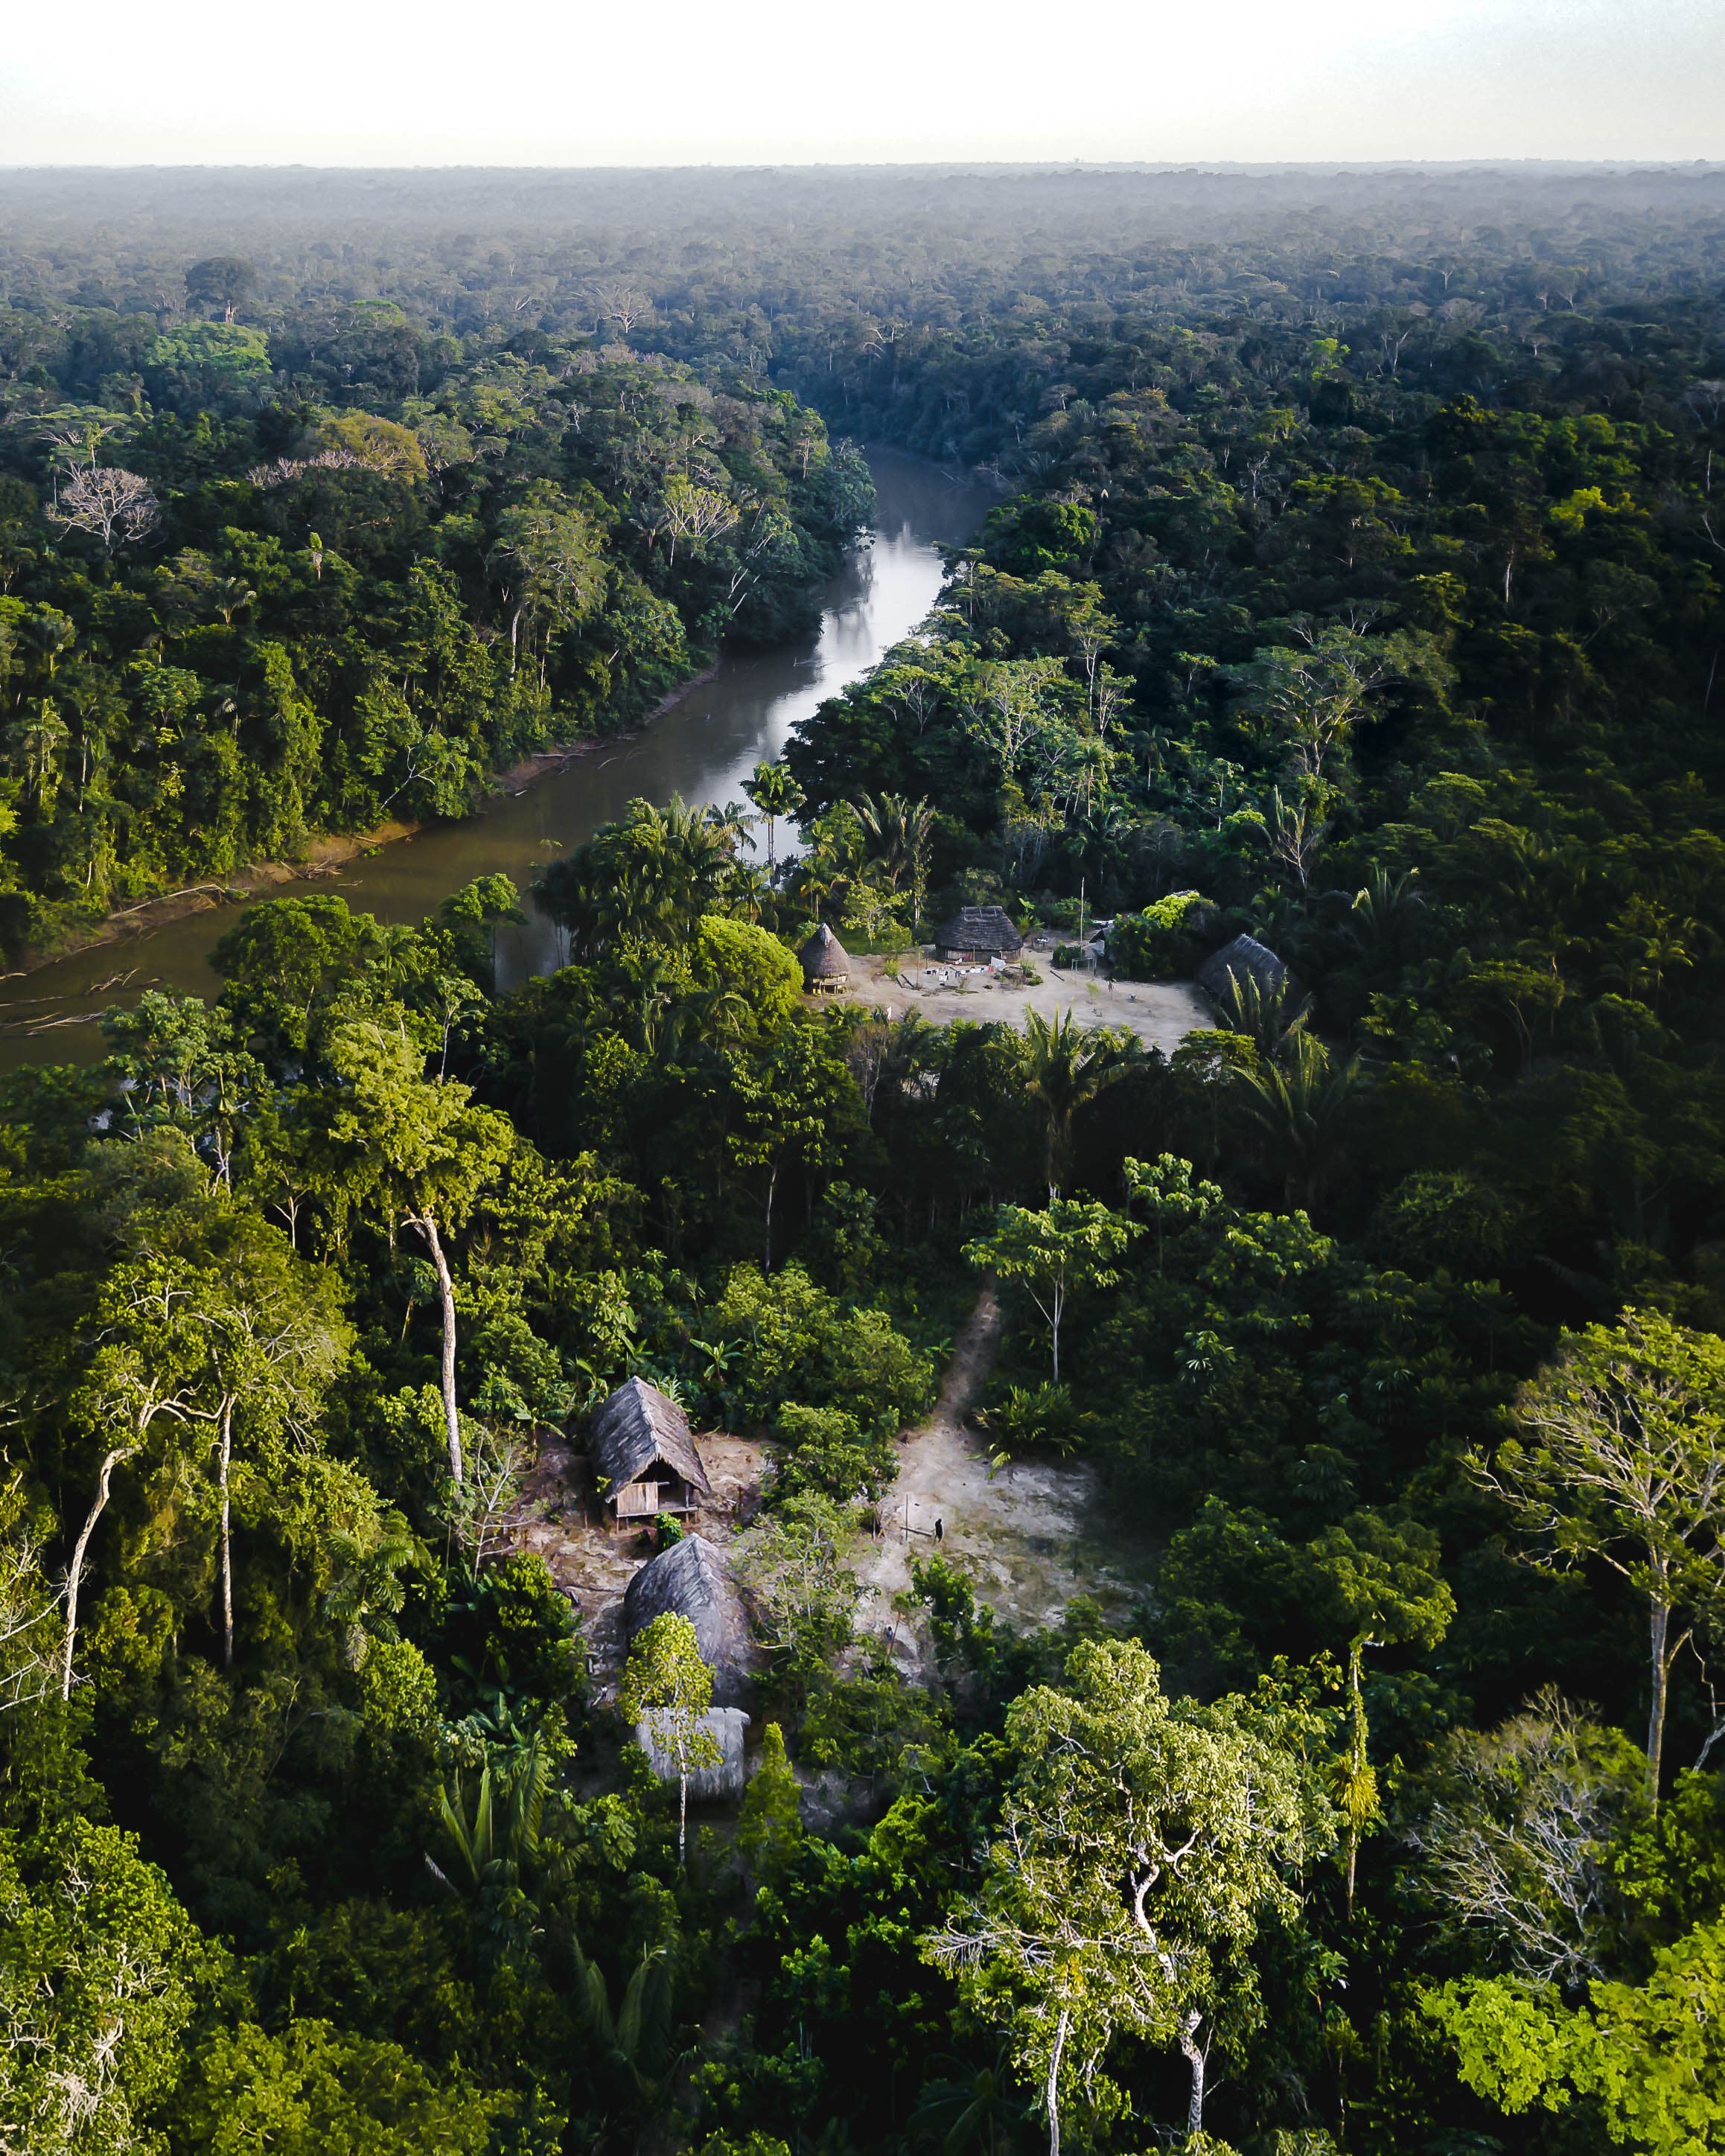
[{"x": 702, "y": 747}]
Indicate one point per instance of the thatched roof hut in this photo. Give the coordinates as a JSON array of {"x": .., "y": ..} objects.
[
  {"x": 725, "y": 1725},
  {"x": 640, "y": 1442},
  {"x": 825, "y": 963},
  {"x": 977, "y": 933},
  {"x": 691, "y": 1579},
  {"x": 1245, "y": 959}
]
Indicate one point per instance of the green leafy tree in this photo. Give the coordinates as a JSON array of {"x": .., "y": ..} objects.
[
  {"x": 1142, "y": 1843},
  {"x": 667, "y": 1690},
  {"x": 1650, "y": 2057},
  {"x": 220, "y": 280},
  {"x": 418, "y": 1152},
  {"x": 1622, "y": 1461},
  {"x": 769, "y": 1825},
  {"x": 1072, "y": 1246},
  {"x": 101, "y": 1973},
  {"x": 311, "y": 2089}
]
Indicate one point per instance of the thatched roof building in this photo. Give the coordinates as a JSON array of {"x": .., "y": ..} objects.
[
  {"x": 641, "y": 1444},
  {"x": 725, "y": 1725},
  {"x": 1245, "y": 959},
  {"x": 691, "y": 1579},
  {"x": 825, "y": 963},
  {"x": 978, "y": 933}
]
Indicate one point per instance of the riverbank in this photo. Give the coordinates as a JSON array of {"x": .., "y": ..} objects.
[
  {"x": 326, "y": 855},
  {"x": 702, "y": 744}
]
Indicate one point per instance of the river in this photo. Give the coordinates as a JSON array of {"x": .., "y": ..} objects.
[{"x": 703, "y": 746}]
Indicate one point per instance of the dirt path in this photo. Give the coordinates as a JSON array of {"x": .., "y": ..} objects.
[{"x": 1026, "y": 1538}]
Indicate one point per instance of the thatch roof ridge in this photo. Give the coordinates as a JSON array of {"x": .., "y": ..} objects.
[
  {"x": 692, "y": 1579},
  {"x": 636, "y": 1425},
  {"x": 823, "y": 957},
  {"x": 979, "y": 928}
]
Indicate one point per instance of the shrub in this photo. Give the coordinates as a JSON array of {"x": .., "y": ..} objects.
[
  {"x": 823, "y": 1450},
  {"x": 1164, "y": 942},
  {"x": 798, "y": 1344}
]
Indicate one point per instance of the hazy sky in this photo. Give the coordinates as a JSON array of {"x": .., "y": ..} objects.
[{"x": 619, "y": 82}]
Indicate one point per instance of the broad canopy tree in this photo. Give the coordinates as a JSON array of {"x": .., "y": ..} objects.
[
  {"x": 1143, "y": 1843},
  {"x": 1622, "y": 1459}
]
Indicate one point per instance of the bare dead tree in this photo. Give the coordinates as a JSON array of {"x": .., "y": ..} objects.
[
  {"x": 621, "y": 304},
  {"x": 107, "y": 503}
]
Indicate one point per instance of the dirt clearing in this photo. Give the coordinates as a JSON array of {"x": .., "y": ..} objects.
[
  {"x": 1028, "y": 1537},
  {"x": 1161, "y": 1013}
]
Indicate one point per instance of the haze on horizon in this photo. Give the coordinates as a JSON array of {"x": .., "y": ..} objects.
[{"x": 192, "y": 82}]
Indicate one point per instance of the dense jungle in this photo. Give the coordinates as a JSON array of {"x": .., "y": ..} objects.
[{"x": 1354, "y": 589}]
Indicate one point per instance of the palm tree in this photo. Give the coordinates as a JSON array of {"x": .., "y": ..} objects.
[
  {"x": 1300, "y": 1104},
  {"x": 1267, "y": 1011},
  {"x": 971, "y": 2109},
  {"x": 902, "y": 830},
  {"x": 631, "y": 2048},
  {"x": 1383, "y": 910},
  {"x": 1065, "y": 1066},
  {"x": 775, "y": 793}
]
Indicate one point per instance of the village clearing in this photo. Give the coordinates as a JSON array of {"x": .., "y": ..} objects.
[
  {"x": 1028, "y": 1536},
  {"x": 1161, "y": 1013}
]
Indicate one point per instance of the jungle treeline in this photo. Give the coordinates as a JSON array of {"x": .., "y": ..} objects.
[{"x": 1354, "y": 589}]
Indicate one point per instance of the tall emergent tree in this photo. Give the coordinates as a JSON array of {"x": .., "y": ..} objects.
[
  {"x": 1142, "y": 1842},
  {"x": 418, "y": 1151},
  {"x": 1623, "y": 1459}
]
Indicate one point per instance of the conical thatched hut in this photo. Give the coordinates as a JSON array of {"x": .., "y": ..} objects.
[
  {"x": 641, "y": 1443},
  {"x": 1225, "y": 974},
  {"x": 825, "y": 964},
  {"x": 978, "y": 933},
  {"x": 691, "y": 1579}
]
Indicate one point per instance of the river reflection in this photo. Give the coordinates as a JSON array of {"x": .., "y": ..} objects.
[{"x": 702, "y": 747}]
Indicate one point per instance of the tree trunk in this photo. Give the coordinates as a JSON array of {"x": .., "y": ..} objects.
[
  {"x": 1197, "y": 2058},
  {"x": 74, "y": 1574},
  {"x": 1052, "y": 2093},
  {"x": 682, "y": 1819},
  {"x": 446, "y": 1296},
  {"x": 227, "y": 1544},
  {"x": 1658, "y": 1634},
  {"x": 771, "y": 1185}
]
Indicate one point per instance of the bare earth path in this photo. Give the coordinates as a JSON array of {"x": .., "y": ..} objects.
[{"x": 1027, "y": 1539}]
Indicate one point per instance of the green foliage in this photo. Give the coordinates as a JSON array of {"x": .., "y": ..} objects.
[
  {"x": 1053, "y": 1254},
  {"x": 1398, "y": 644},
  {"x": 1161, "y": 942},
  {"x": 309, "y": 2089},
  {"x": 101, "y": 1973},
  {"x": 769, "y": 1826},
  {"x": 1648, "y": 2054},
  {"x": 799, "y": 1345},
  {"x": 822, "y": 1452}
]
